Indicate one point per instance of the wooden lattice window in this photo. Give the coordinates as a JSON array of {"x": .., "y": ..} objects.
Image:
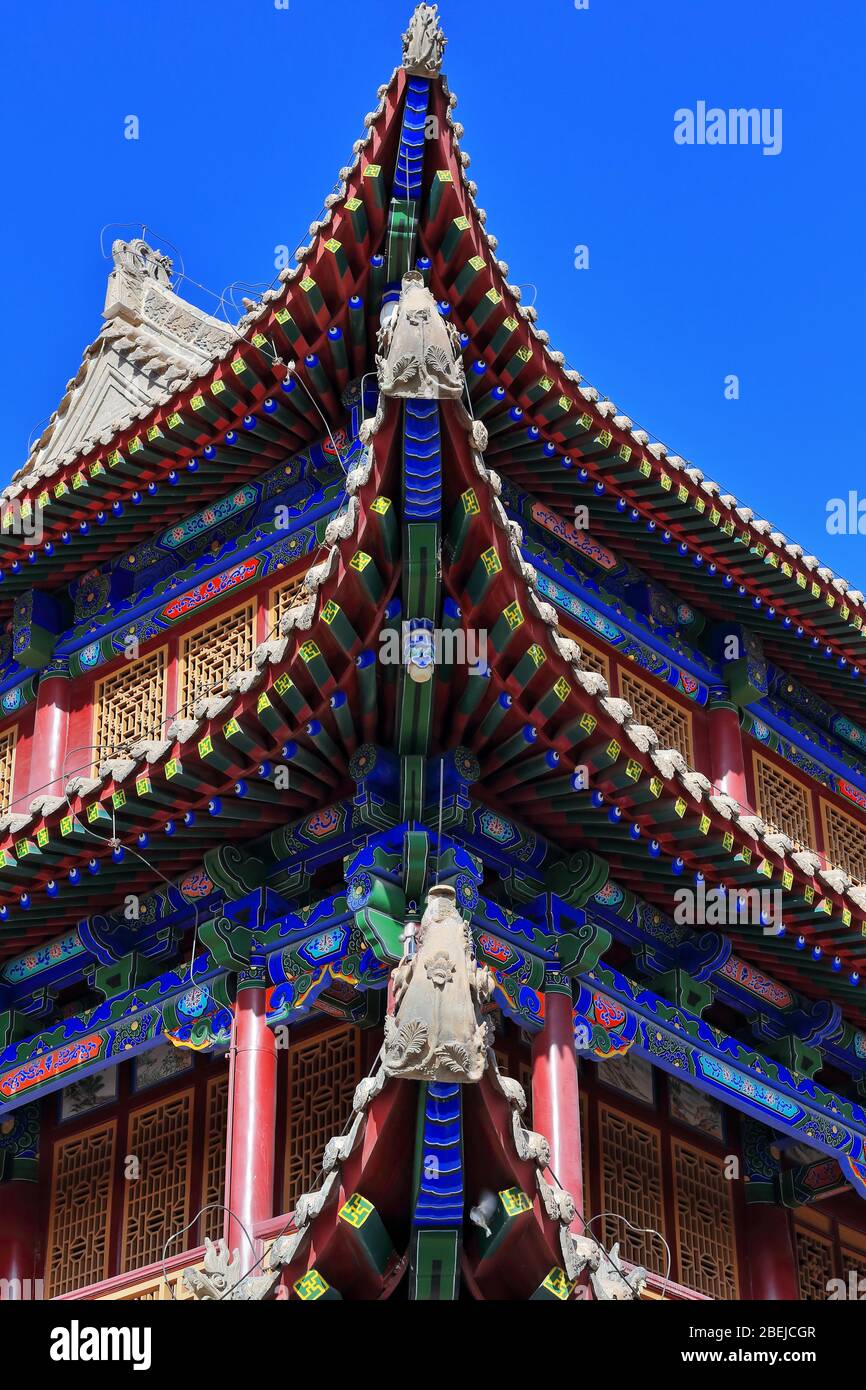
[
  {"x": 80, "y": 1211},
  {"x": 284, "y": 597},
  {"x": 8, "y": 739},
  {"x": 844, "y": 842},
  {"x": 590, "y": 659},
  {"x": 631, "y": 1178},
  {"x": 130, "y": 704},
  {"x": 214, "y": 1163},
  {"x": 156, "y": 1200},
  {"x": 323, "y": 1074},
  {"x": 814, "y": 1264},
  {"x": 214, "y": 652},
  {"x": 672, "y": 725},
  {"x": 852, "y": 1260},
  {"x": 705, "y": 1223},
  {"x": 783, "y": 803}
]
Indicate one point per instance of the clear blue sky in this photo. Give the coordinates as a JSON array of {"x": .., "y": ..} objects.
[{"x": 704, "y": 261}]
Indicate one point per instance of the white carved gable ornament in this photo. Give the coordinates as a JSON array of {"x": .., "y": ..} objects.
[
  {"x": 424, "y": 43},
  {"x": 419, "y": 351},
  {"x": 437, "y": 1032}
]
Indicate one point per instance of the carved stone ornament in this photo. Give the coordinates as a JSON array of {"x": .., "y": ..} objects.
[
  {"x": 140, "y": 292},
  {"x": 139, "y": 261},
  {"x": 222, "y": 1277},
  {"x": 424, "y": 43},
  {"x": 611, "y": 1283},
  {"x": 437, "y": 1032},
  {"x": 419, "y": 350}
]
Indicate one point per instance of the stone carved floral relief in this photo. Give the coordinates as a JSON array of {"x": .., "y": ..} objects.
[{"x": 437, "y": 1032}]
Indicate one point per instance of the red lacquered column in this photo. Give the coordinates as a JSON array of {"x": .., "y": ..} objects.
[
  {"x": 19, "y": 1227},
  {"x": 252, "y": 1123},
  {"x": 49, "y": 734},
  {"x": 555, "y": 1095},
  {"x": 772, "y": 1267},
  {"x": 727, "y": 761}
]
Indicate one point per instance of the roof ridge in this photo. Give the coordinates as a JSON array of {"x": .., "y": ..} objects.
[{"x": 146, "y": 321}]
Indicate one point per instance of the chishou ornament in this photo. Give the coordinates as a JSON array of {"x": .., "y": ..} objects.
[
  {"x": 419, "y": 351},
  {"x": 437, "y": 1032}
]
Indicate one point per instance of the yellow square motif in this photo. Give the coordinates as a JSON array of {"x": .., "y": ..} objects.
[
  {"x": 311, "y": 1286},
  {"x": 514, "y": 1201},
  {"x": 356, "y": 1210},
  {"x": 513, "y": 615},
  {"x": 559, "y": 1284}
]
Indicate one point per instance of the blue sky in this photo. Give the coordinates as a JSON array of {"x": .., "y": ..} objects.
[{"x": 704, "y": 262}]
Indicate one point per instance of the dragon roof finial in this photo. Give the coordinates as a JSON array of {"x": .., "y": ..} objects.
[{"x": 424, "y": 43}]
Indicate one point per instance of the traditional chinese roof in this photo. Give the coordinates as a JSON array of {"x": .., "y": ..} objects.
[
  {"x": 150, "y": 341},
  {"x": 312, "y": 685},
  {"x": 568, "y": 443},
  {"x": 644, "y": 810}
]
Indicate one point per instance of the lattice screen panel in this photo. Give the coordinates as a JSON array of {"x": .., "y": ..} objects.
[
  {"x": 783, "y": 802},
  {"x": 286, "y": 597},
  {"x": 7, "y": 767},
  {"x": 589, "y": 657},
  {"x": 852, "y": 1260},
  {"x": 631, "y": 1179},
  {"x": 593, "y": 661},
  {"x": 130, "y": 704},
  {"x": 844, "y": 841},
  {"x": 814, "y": 1264},
  {"x": 80, "y": 1211},
  {"x": 672, "y": 724},
  {"x": 323, "y": 1074},
  {"x": 156, "y": 1202},
  {"x": 705, "y": 1223},
  {"x": 213, "y": 653},
  {"x": 214, "y": 1164}
]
